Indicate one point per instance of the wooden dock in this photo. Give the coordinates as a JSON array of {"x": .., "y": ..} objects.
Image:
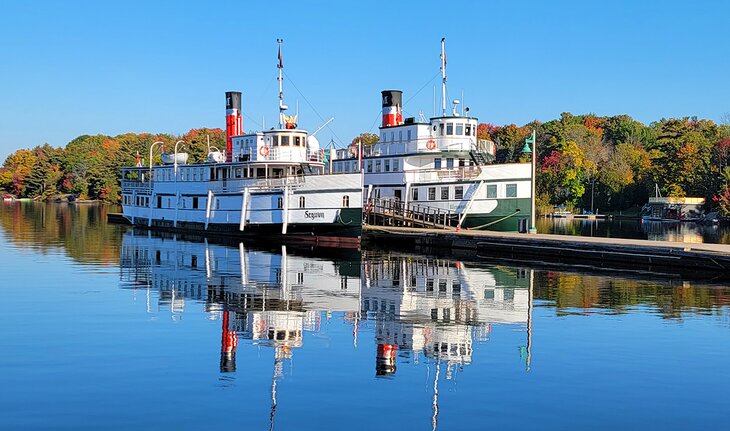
[{"x": 696, "y": 260}]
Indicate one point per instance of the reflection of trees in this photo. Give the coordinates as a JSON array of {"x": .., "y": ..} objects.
[
  {"x": 671, "y": 298},
  {"x": 81, "y": 230}
]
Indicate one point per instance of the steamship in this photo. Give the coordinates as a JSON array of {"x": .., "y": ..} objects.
[
  {"x": 439, "y": 164},
  {"x": 271, "y": 183}
]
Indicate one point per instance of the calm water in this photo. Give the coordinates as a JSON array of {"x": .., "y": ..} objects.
[
  {"x": 636, "y": 229},
  {"x": 103, "y": 327}
]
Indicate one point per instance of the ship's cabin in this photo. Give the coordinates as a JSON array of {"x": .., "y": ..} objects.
[
  {"x": 453, "y": 133},
  {"x": 280, "y": 145}
]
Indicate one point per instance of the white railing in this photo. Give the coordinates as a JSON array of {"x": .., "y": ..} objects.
[
  {"x": 428, "y": 175},
  {"x": 283, "y": 154}
]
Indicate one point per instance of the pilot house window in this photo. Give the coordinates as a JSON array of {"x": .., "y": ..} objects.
[
  {"x": 301, "y": 202},
  {"x": 346, "y": 201}
]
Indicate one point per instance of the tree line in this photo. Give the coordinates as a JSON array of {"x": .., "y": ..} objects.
[
  {"x": 611, "y": 163},
  {"x": 615, "y": 163},
  {"x": 89, "y": 166}
]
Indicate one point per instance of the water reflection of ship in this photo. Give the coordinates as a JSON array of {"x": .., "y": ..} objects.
[
  {"x": 438, "y": 308},
  {"x": 421, "y": 310},
  {"x": 258, "y": 295}
]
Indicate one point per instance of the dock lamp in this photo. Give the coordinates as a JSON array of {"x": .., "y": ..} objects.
[
  {"x": 151, "y": 147},
  {"x": 527, "y": 150}
]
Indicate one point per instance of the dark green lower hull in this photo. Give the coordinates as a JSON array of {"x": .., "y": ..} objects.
[{"x": 505, "y": 218}]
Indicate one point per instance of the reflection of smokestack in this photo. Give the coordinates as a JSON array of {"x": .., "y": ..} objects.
[
  {"x": 392, "y": 104},
  {"x": 229, "y": 341},
  {"x": 385, "y": 361},
  {"x": 234, "y": 123}
]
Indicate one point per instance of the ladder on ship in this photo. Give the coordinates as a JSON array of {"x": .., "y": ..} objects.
[{"x": 394, "y": 212}]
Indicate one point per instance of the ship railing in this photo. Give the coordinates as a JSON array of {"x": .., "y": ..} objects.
[
  {"x": 227, "y": 186},
  {"x": 128, "y": 185},
  {"x": 284, "y": 154},
  {"x": 433, "y": 144},
  {"x": 395, "y": 212},
  {"x": 457, "y": 173}
]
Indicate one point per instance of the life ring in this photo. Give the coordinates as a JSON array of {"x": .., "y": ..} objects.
[
  {"x": 264, "y": 151},
  {"x": 431, "y": 144}
]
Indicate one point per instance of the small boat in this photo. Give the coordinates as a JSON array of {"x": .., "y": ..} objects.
[
  {"x": 170, "y": 159},
  {"x": 8, "y": 198}
]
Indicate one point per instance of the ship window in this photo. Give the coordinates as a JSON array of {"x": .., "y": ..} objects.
[
  {"x": 377, "y": 166},
  {"x": 387, "y": 166},
  {"x": 491, "y": 191},
  {"x": 195, "y": 175},
  {"x": 444, "y": 193},
  {"x": 437, "y": 163},
  {"x": 392, "y": 136},
  {"x": 414, "y": 193},
  {"x": 449, "y": 163},
  {"x": 511, "y": 190},
  {"x": 396, "y": 166},
  {"x": 489, "y": 294},
  {"x": 297, "y": 141},
  {"x": 237, "y": 172},
  {"x": 183, "y": 202},
  {"x": 355, "y": 167},
  {"x": 260, "y": 172},
  {"x": 280, "y": 203},
  {"x": 449, "y": 128},
  {"x": 400, "y": 135},
  {"x": 275, "y": 141},
  {"x": 159, "y": 201},
  {"x": 408, "y": 134},
  {"x": 284, "y": 141},
  {"x": 508, "y": 295},
  {"x": 468, "y": 129},
  {"x": 385, "y": 137},
  {"x": 432, "y": 193},
  {"x": 459, "y": 129},
  {"x": 441, "y": 129},
  {"x": 458, "y": 192},
  {"x": 195, "y": 202},
  {"x": 301, "y": 202},
  {"x": 346, "y": 201}
]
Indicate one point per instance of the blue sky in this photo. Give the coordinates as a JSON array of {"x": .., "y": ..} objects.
[{"x": 88, "y": 67}]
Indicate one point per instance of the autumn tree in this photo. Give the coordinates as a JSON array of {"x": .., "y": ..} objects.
[
  {"x": 16, "y": 169},
  {"x": 366, "y": 139}
]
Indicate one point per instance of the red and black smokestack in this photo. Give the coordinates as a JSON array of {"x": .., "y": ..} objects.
[
  {"x": 229, "y": 341},
  {"x": 392, "y": 107},
  {"x": 385, "y": 360},
  {"x": 234, "y": 123}
]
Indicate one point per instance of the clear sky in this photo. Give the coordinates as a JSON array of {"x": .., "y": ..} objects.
[{"x": 88, "y": 67}]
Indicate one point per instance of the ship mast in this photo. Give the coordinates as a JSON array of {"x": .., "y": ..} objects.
[
  {"x": 280, "y": 66},
  {"x": 443, "y": 77}
]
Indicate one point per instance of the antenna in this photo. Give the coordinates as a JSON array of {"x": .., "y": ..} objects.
[
  {"x": 443, "y": 76},
  {"x": 462, "y": 102},
  {"x": 280, "y": 66}
]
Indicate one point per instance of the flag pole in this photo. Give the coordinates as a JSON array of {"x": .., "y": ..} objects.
[{"x": 533, "y": 228}]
